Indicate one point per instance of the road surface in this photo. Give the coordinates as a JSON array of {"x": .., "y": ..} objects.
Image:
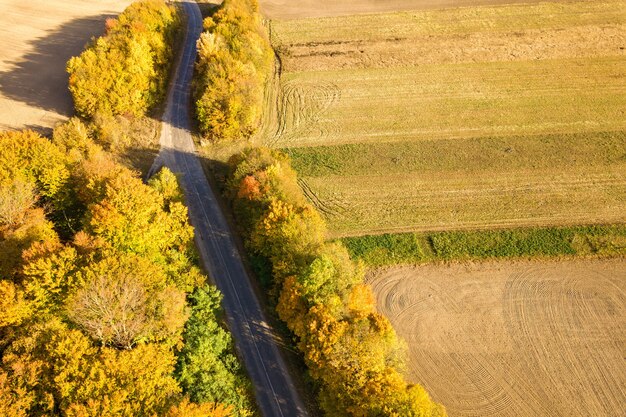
[{"x": 275, "y": 391}]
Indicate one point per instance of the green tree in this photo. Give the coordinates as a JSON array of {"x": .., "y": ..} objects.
[{"x": 207, "y": 369}]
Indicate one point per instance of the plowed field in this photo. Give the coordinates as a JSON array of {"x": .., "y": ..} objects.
[
  {"x": 514, "y": 339},
  {"x": 38, "y": 37}
]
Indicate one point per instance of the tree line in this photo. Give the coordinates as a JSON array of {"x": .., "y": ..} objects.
[
  {"x": 352, "y": 351},
  {"x": 234, "y": 61}
]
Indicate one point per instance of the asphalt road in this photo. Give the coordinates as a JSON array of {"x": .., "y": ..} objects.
[{"x": 254, "y": 339}]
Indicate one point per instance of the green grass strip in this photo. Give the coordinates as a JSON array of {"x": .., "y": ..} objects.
[{"x": 409, "y": 248}]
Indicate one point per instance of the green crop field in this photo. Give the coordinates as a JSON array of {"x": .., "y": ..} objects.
[
  {"x": 468, "y": 118},
  {"x": 416, "y": 247}
]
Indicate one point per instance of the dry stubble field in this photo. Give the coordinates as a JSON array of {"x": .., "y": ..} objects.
[
  {"x": 525, "y": 105},
  {"x": 38, "y": 37},
  {"x": 522, "y": 339},
  {"x": 292, "y": 9}
]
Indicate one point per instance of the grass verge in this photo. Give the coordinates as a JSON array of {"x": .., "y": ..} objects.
[{"x": 410, "y": 248}]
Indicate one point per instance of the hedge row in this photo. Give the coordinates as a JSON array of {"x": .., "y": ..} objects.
[{"x": 407, "y": 248}]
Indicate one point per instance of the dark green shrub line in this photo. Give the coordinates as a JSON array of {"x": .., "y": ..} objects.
[
  {"x": 407, "y": 248},
  {"x": 126, "y": 71}
]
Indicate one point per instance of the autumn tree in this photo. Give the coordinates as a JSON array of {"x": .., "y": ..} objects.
[
  {"x": 35, "y": 170},
  {"x": 16, "y": 198},
  {"x": 13, "y": 241},
  {"x": 126, "y": 70},
  {"x": 13, "y": 401},
  {"x": 132, "y": 217},
  {"x": 350, "y": 350},
  {"x": 28, "y": 158},
  {"x": 73, "y": 138},
  {"x": 234, "y": 60},
  {"x": 59, "y": 370},
  {"x": 188, "y": 409},
  {"x": 14, "y": 308},
  {"x": 94, "y": 266},
  {"x": 48, "y": 274},
  {"x": 125, "y": 299}
]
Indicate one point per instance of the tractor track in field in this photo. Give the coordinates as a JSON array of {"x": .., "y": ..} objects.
[{"x": 300, "y": 108}]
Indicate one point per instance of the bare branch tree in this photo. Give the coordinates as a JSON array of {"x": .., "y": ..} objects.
[
  {"x": 114, "y": 310},
  {"x": 15, "y": 199}
]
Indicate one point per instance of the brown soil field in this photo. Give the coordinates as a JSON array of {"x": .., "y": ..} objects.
[
  {"x": 290, "y": 9},
  {"x": 513, "y": 338},
  {"x": 38, "y": 38}
]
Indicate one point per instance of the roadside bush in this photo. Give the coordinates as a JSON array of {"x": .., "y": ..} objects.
[{"x": 351, "y": 350}]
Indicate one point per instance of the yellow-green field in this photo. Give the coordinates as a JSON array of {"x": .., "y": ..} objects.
[{"x": 496, "y": 116}]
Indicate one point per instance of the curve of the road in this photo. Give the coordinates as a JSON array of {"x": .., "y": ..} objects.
[{"x": 275, "y": 391}]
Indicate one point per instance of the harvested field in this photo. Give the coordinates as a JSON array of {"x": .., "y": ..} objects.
[
  {"x": 467, "y": 183},
  {"x": 475, "y": 34},
  {"x": 289, "y": 9},
  {"x": 477, "y": 117},
  {"x": 513, "y": 339},
  {"x": 38, "y": 38}
]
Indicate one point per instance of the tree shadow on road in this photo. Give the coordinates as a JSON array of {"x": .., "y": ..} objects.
[{"x": 39, "y": 78}]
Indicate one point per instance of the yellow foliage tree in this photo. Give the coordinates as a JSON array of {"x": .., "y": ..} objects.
[
  {"x": 234, "y": 60},
  {"x": 49, "y": 273},
  {"x": 55, "y": 369},
  {"x": 189, "y": 409},
  {"x": 126, "y": 70},
  {"x": 35, "y": 228},
  {"x": 14, "y": 401},
  {"x": 13, "y": 307}
]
